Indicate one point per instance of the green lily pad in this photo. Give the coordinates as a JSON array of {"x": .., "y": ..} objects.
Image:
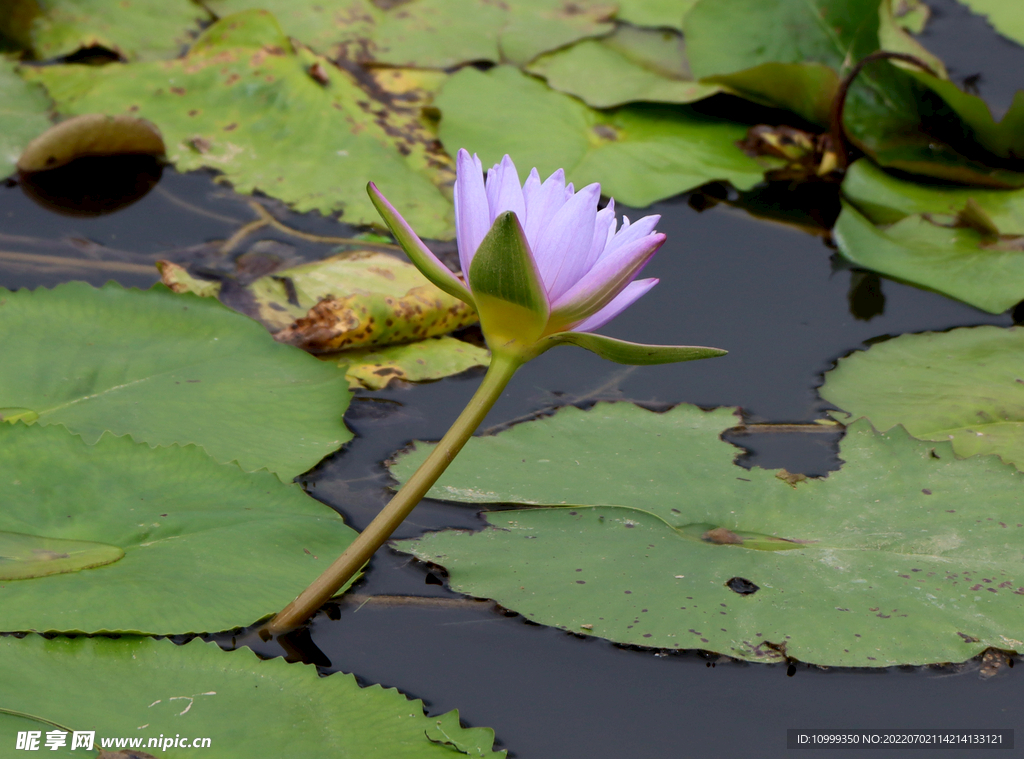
[
  {"x": 629, "y": 65},
  {"x": 430, "y": 359},
  {"x": 963, "y": 386},
  {"x": 639, "y": 153},
  {"x": 25, "y": 556},
  {"x": 23, "y": 115},
  {"x": 1006, "y": 17},
  {"x": 912, "y": 15},
  {"x": 906, "y": 555},
  {"x": 134, "y": 29},
  {"x": 188, "y": 545},
  {"x": 434, "y": 33},
  {"x": 274, "y": 118},
  {"x": 244, "y": 706},
  {"x": 167, "y": 369},
  {"x": 666, "y": 14},
  {"x": 884, "y": 199},
  {"x": 959, "y": 261}
]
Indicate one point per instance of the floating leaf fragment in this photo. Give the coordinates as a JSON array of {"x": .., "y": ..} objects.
[
  {"x": 245, "y": 706},
  {"x": 893, "y": 559},
  {"x": 168, "y": 369},
  {"x": 90, "y": 135},
  {"x": 129, "y": 538},
  {"x": 1007, "y": 18},
  {"x": 962, "y": 386}
]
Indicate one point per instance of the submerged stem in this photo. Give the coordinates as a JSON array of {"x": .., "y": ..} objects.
[{"x": 379, "y": 530}]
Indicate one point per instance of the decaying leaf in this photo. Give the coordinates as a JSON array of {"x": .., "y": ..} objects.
[
  {"x": 91, "y": 134},
  {"x": 180, "y": 280},
  {"x": 429, "y": 359},
  {"x": 807, "y": 155},
  {"x": 352, "y": 300}
]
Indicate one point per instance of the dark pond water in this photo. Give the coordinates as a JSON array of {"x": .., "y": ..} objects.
[{"x": 774, "y": 295}]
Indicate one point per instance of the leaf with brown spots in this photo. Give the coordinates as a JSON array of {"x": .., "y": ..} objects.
[{"x": 243, "y": 102}]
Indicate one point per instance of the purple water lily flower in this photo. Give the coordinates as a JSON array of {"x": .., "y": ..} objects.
[
  {"x": 586, "y": 265},
  {"x": 543, "y": 265}
]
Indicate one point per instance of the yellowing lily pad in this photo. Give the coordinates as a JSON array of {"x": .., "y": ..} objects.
[
  {"x": 429, "y": 359},
  {"x": 134, "y": 29},
  {"x": 434, "y": 33},
  {"x": 24, "y": 556},
  {"x": 274, "y": 118}
]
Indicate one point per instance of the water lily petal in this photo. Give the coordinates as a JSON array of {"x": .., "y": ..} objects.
[
  {"x": 542, "y": 203},
  {"x": 604, "y": 231},
  {"x": 431, "y": 267},
  {"x": 472, "y": 216},
  {"x": 631, "y": 232},
  {"x": 504, "y": 193},
  {"x": 562, "y": 250},
  {"x": 630, "y": 294},
  {"x": 602, "y": 283}
]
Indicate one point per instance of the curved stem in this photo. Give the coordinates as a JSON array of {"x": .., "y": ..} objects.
[
  {"x": 379, "y": 530},
  {"x": 836, "y": 131}
]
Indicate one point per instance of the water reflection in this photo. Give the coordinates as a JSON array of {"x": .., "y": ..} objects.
[{"x": 93, "y": 186}]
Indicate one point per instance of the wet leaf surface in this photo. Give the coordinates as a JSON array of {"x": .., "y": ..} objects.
[
  {"x": 883, "y": 562},
  {"x": 626, "y": 66},
  {"x": 23, "y": 114},
  {"x": 91, "y": 135},
  {"x": 244, "y": 102},
  {"x": 885, "y": 199},
  {"x": 133, "y": 29},
  {"x": 963, "y": 386},
  {"x": 639, "y": 154},
  {"x": 434, "y": 33},
  {"x": 1006, "y": 18},
  {"x": 957, "y": 260},
  {"x": 167, "y": 369},
  {"x": 25, "y": 556},
  {"x": 188, "y": 529},
  {"x": 246, "y": 706}
]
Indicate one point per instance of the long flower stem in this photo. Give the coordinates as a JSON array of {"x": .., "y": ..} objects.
[{"x": 379, "y": 530}]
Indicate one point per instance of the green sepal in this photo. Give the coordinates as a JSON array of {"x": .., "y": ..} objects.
[
  {"x": 510, "y": 296},
  {"x": 420, "y": 255},
  {"x": 623, "y": 352}
]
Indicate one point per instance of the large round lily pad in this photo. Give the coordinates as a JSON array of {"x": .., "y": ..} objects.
[
  {"x": 142, "y": 689},
  {"x": 639, "y": 153},
  {"x": 160, "y": 540},
  {"x": 906, "y": 555},
  {"x": 965, "y": 386},
  {"x": 167, "y": 368}
]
